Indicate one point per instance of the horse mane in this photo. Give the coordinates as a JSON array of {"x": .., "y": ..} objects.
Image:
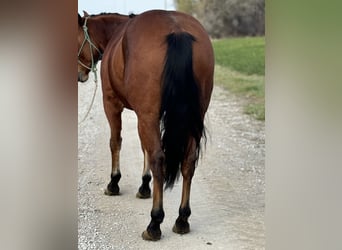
[{"x": 112, "y": 14}]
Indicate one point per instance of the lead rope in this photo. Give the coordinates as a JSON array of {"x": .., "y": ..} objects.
[
  {"x": 93, "y": 65},
  {"x": 91, "y": 104}
]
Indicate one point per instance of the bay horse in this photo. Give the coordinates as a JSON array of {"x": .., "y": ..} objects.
[{"x": 159, "y": 64}]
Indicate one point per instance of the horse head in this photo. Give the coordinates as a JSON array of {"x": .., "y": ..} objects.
[{"x": 88, "y": 49}]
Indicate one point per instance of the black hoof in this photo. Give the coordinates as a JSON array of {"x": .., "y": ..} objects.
[
  {"x": 153, "y": 232},
  {"x": 144, "y": 193},
  {"x": 113, "y": 187},
  {"x": 112, "y": 191},
  {"x": 151, "y": 235},
  {"x": 181, "y": 227}
]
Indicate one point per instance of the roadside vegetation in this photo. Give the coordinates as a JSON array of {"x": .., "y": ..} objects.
[{"x": 240, "y": 68}]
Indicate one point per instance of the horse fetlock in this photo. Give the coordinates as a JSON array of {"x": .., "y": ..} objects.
[
  {"x": 184, "y": 212},
  {"x": 157, "y": 216},
  {"x": 113, "y": 187},
  {"x": 146, "y": 179}
]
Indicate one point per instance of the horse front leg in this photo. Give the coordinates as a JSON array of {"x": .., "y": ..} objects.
[
  {"x": 150, "y": 137},
  {"x": 144, "y": 191},
  {"x": 113, "y": 109}
]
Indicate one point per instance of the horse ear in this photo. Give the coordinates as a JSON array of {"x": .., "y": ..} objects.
[
  {"x": 85, "y": 14},
  {"x": 80, "y": 20}
]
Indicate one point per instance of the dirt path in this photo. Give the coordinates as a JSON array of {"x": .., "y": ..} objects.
[{"x": 227, "y": 198}]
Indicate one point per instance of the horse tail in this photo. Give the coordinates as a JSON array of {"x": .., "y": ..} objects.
[{"x": 181, "y": 112}]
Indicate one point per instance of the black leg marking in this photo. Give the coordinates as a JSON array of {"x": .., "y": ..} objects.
[
  {"x": 113, "y": 187},
  {"x": 153, "y": 231},
  {"x": 182, "y": 225},
  {"x": 144, "y": 190}
]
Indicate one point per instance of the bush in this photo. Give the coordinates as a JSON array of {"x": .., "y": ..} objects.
[{"x": 223, "y": 18}]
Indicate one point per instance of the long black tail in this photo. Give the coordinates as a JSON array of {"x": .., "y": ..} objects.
[{"x": 181, "y": 112}]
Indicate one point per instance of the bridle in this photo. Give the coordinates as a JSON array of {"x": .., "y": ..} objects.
[{"x": 91, "y": 46}]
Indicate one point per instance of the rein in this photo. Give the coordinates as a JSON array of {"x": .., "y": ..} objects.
[{"x": 93, "y": 64}]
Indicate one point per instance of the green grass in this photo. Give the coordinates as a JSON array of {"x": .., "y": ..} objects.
[
  {"x": 240, "y": 68},
  {"x": 245, "y": 55}
]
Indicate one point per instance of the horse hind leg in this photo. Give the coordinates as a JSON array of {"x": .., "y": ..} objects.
[
  {"x": 144, "y": 191},
  {"x": 182, "y": 225},
  {"x": 113, "y": 109},
  {"x": 150, "y": 138}
]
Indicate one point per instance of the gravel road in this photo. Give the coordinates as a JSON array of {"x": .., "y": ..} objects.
[{"x": 228, "y": 191}]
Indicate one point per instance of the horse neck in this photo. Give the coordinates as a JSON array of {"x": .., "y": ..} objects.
[{"x": 104, "y": 26}]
